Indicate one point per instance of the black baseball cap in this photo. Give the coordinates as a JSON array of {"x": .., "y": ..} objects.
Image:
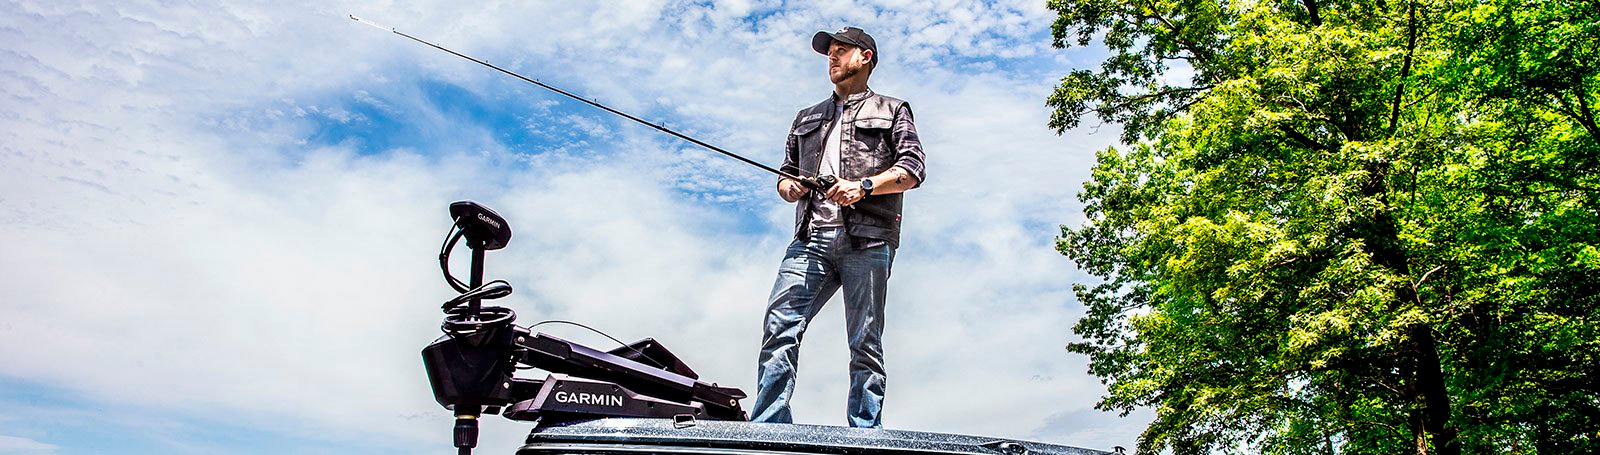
[{"x": 848, "y": 35}]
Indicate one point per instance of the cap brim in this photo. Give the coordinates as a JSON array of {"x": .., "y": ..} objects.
[{"x": 820, "y": 42}]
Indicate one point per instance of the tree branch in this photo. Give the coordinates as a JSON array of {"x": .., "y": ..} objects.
[
  {"x": 1303, "y": 139},
  {"x": 1586, "y": 116},
  {"x": 1311, "y": 9},
  {"x": 1132, "y": 100},
  {"x": 1405, "y": 68},
  {"x": 1177, "y": 33},
  {"x": 1418, "y": 284}
]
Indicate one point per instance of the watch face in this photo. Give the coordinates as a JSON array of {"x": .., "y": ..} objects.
[{"x": 866, "y": 184}]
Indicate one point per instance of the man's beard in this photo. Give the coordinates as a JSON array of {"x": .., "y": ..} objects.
[{"x": 846, "y": 72}]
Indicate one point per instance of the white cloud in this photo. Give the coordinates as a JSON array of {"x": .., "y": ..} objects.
[
  {"x": 178, "y": 243},
  {"x": 14, "y": 444}
]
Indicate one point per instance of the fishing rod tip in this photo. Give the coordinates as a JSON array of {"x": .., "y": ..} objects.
[{"x": 364, "y": 21}]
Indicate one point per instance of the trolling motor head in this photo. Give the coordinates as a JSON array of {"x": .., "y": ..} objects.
[{"x": 482, "y": 226}]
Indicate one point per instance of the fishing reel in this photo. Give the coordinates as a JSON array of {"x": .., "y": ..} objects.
[{"x": 819, "y": 183}]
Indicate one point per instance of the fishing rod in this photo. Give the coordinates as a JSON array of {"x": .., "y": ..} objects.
[{"x": 817, "y": 183}]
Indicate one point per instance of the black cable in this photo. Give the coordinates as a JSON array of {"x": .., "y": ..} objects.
[
  {"x": 451, "y": 238},
  {"x": 642, "y": 355},
  {"x": 457, "y": 322},
  {"x": 488, "y": 291}
]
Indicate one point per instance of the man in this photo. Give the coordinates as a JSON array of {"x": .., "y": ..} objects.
[{"x": 846, "y": 236}]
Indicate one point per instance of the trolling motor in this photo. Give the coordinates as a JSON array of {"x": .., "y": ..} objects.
[{"x": 472, "y": 366}]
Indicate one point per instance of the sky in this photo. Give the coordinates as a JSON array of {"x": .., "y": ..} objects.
[{"x": 222, "y": 220}]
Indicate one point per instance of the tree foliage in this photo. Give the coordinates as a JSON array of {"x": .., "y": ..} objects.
[{"x": 1342, "y": 227}]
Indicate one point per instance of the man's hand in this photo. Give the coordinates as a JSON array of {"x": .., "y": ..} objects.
[
  {"x": 791, "y": 190},
  {"x": 846, "y": 192}
]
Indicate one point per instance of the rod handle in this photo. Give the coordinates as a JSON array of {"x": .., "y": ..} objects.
[{"x": 821, "y": 184}]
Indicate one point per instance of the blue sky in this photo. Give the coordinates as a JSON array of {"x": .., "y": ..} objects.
[{"x": 221, "y": 219}]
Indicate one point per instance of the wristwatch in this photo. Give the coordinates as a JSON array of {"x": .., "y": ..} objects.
[{"x": 866, "y": 185}]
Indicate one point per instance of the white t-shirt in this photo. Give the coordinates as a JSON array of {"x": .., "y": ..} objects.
[{"x": 825, "y": 212}]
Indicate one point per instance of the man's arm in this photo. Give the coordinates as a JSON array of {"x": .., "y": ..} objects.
[
  {"x": 790, "y": 189},
  {"x": 894, "y": 180},
  {"x": 905, "y": 174},
  {"x": 908, "y": 153}
]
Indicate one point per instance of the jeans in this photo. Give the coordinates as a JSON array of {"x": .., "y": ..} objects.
[{"x": 812, "y": 270}]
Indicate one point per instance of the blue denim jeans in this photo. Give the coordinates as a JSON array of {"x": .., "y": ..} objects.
[{"x": 812, "y": 270}]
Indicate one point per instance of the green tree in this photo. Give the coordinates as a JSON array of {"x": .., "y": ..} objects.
[{"x": 1342, "y": 227}]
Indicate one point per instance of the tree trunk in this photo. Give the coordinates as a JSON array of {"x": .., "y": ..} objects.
[
  {"x": 1383, "y": 240},
  {"x": 1435, "y": 398}
]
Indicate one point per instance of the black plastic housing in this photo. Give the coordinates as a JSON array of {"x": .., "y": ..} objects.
[
  {"x": 483, "y": 226},
  {"x": 472, "y": 369}
]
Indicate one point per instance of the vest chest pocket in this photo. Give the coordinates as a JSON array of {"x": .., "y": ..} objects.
[
  {"x": 874, "y": 123},
  {"x": 806, "y": 128},
  {"x": 809, "y": 139},
  {"x": 871, "y": 152}
]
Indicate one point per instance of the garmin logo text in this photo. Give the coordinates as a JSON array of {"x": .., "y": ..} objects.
[
  {"x": 589, "y": 398},
  {"x": 485, "y": 218}
]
